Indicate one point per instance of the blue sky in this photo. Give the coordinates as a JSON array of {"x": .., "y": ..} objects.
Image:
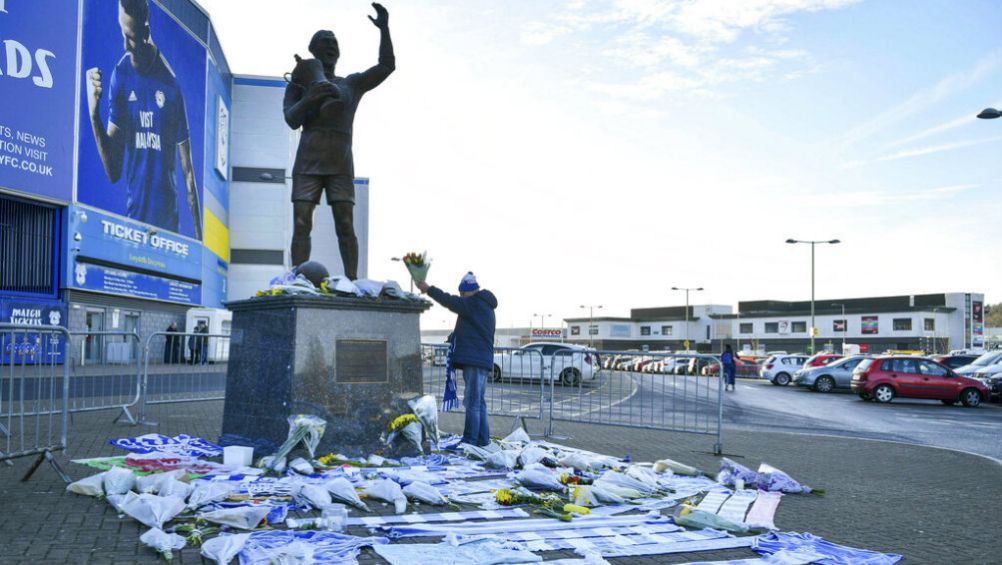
[{"x": 601, "y": 152}]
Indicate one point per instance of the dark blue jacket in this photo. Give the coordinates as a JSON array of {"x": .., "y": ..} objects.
[{"x": 474, "y": 332}]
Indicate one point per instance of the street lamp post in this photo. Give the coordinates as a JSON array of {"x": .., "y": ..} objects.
[
  {"x": 411, "y": 280},
  {"x": 591, "y": 316},
  {"x": 686, "y": 332},
  {"x": 845, "y": 325},
  {"x": 813, "y": 243},
  {"x": 542, "y": 320}
]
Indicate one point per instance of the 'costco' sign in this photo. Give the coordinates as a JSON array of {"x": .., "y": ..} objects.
[{"x": 547, "y": 333}]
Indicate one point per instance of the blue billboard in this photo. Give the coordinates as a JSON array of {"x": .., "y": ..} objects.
[
  {"x": 19, "y": 346},
  {"x": 37, "y": 82},
  {"x": 142, "y": 115},
  {"x": 117, "y": 256}
]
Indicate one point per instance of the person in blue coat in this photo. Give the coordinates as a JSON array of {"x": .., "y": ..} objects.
[
  {"x": 729, "y": 367},
  {"x": 473, "y": 348}
]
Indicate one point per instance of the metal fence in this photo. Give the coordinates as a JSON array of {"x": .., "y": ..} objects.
[
  {"x": 34, "y": 392},
  {"x": 183, "y": 367},
  {"x": 105, "y": 371},
  {"x": 671, "y": 392},
  {"x": 663, "y": 391},
  {"x": 515, "y": 386}
]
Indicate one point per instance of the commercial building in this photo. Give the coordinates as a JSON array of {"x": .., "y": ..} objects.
[
  {"x": 927, "y": 322},
  {"x": 125, "y": 206}
]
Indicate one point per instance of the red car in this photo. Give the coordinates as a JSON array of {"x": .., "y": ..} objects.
[
  {"x": 742, "y": 368},
  {"x": 821, "y": 359},
  {"x": 883, "y": 378}
]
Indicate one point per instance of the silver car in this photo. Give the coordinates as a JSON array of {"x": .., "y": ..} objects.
[{"x": 826, "y": 378}]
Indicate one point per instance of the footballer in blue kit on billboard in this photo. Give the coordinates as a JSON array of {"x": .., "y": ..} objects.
[
  {"x": 142, "y": 115},
  {"x": 37, "y": 87}
]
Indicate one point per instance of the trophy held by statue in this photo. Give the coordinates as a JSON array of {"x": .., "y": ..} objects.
[{"x": 308, "y": 73}]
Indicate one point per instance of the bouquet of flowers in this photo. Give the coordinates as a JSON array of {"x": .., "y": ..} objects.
[
  {"x": 303, "y": 428},
  {"x": 417, "y": 264},
  {"x": 407, "y": 427}
]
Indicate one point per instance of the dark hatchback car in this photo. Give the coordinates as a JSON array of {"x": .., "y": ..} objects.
[
  {"x": 954, "y": 361},
  {"x": 883, "y": 378}
]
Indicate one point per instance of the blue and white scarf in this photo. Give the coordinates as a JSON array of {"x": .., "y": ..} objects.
[
  {"x": 450, "y": 400},
  {"x": 182, "y": 444}
]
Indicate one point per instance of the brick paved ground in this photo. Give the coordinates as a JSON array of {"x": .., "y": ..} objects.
[{"x": 931, "y": 505}]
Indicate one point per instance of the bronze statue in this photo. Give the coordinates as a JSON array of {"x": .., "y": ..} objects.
[{"x": 324, "y": 105}]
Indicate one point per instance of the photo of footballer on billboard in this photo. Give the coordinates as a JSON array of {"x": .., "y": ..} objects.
[{"x": 142, "y": 116}]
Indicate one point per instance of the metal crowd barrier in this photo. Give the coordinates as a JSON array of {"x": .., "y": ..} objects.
[
  {"x": 183, "y": 367},
  {"x": 671, "y": 392},
  {"x": 34, "y": 393},
  {"x": 105, "y": 371},
  {"x": 515, "y": 386}
]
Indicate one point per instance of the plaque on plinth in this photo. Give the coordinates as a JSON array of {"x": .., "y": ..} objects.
[{"x": 355, "y": 362}]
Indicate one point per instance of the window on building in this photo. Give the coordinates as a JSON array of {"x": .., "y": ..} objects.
[
  {"x": 772, "y": 327},
  {"x": 667, "y": 330},
  {"x": 746, "y": 328},
  {"x": 798, "y": 327},
  {"x": 645, "y": 330},
  {"x": 930, "y": 324},
  {"x": 575, "y": 330},
  {"x": 902, "y": 324}
]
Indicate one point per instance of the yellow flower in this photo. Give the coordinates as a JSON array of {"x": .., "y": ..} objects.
[
  {"x": 259, "y": 293},
  {"x": 504, "y": 497},
  {"x": 401, "y": 421},
  {"x": 577, "y": 509}
]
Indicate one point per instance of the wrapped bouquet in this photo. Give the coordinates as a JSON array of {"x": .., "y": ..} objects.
[{"x": 417, "y": 264}]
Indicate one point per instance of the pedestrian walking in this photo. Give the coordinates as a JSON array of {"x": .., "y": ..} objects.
[
  {"x": 471, "y": 348},
  {"x": 729, "y": 363},
  {"x": 172, "y": 345}
]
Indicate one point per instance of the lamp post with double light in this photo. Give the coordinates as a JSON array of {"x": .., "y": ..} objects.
[
  {"x": 542, "y": 322},
  {"x": 686, "y": 329},
  {"x": 591, "y": 317},
  {"x": 813, "y": 243}
]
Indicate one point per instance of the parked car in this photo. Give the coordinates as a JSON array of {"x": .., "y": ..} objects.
[
  {"x": 821, "y": 359},
  {"x": 884, "y": 378},
  {"x": 994, "y": 385},
  {"x": 569, "y": 363},
  {"x": 438, "y": 356},
  {"x": 779, "y": 369},
  {"x": 826, "y": 378},
  {"x": 986, "y": 359},
  {"x": 954, "y": 361},
  {"x": 742, "y": 368},
  {"x": 986, "y": 374}
]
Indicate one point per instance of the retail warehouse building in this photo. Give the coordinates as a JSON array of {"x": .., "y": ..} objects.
[
  {"x": 184, "y": 220},
  {"x": 927, "y": 322}
]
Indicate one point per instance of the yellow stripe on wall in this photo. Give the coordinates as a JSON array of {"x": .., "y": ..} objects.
[{"x": 217, "y": 236}]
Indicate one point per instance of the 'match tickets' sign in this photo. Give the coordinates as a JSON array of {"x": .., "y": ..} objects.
[
  {"x": 23, "y": 346},
  {"x": 37, "y": 82}
]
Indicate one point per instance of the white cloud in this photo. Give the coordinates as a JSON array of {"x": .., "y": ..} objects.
[
  {"x": 863, "y": 199},
  {"x": 919, "y": 151},
  {"x": 922, "y": 100},
  {"x": 539, "y": 33}
]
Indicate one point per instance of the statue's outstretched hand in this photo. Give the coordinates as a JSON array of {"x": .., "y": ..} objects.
[{"x": 382, "y": 19}]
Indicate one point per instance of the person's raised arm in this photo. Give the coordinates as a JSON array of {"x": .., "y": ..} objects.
[
  {"x": 372, "y": 77},
  {"x": 456, "y": 304},
  {"x": 110, "y": 146},
  {"x": 191, "y": 187}
]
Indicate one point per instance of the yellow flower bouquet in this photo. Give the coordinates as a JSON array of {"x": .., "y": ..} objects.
[{"x": 417, "y": 264}]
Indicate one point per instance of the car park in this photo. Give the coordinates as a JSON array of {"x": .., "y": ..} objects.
[
  {"x": 884, "y": 378},
  {"x": 569, "y": 363},
  {"x": 826, "y": 378},
  {"x": 742, "y": 368},
  {"x": 779, "y": 369}
]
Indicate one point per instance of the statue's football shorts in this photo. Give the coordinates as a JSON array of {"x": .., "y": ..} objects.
[{"x": 308, "y": 188}]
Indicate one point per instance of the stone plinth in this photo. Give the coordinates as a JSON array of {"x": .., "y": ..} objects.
[{"x": 352, "y": 361}]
